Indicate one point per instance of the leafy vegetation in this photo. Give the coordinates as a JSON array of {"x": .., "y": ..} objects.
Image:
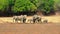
[
  {"x": 57, "y": 4},
  {"x": 46, "y": 6},
  {"x": 24, "y": 5},
  {"x": 28, "y": 5},
  {"x": 3, "y": 4}
]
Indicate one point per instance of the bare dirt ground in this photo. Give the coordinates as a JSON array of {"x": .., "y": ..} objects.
[
  {"x": 29, "y": 28},
  {"x": 8, "y": 27}
]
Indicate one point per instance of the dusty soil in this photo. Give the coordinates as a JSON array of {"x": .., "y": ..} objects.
[
  {"x": 29, "y": 28},
  {"x": 8, "y": 27}
]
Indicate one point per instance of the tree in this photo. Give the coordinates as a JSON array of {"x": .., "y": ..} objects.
[
  {"x": 15, "y": 6},
  {"x": 57, "y": 4},
  {"x": 3, "y": 4},
  {"x": 24, "y": 5},
  {"x": 11, "y": 4},
  {"x": 46, "y": 6},
  {"x": 35, "y": 2}
]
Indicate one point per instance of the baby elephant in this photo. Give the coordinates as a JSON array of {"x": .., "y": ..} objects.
[{"x": 45, "y": 21}]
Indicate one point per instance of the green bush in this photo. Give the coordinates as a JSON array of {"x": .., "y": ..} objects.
[
  {"x": 24, "y": 5},
  {"x": 3, "y": 4},
  {"x": 27, "y": 5},
  {"x": 46, "y": 6},
  {"x": 57, "y": 4}
]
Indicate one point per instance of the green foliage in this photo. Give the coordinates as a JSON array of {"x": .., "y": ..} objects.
[
  {"x": 27, "y": 5},
  {"x": 47, "y": 5},
  {"x": 24, "y": 5},
  {"x": 57, "y": 4},
  {"x": 11, "y": 2},
  {"x": 3, "y": 4},
  {"x": 35, "y": 2}
]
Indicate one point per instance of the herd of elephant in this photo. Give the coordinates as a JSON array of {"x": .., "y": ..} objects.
[{"x": 34, "y": 19}]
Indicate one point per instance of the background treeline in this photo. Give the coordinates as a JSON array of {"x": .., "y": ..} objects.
[{"x": 17, "y": 7}]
